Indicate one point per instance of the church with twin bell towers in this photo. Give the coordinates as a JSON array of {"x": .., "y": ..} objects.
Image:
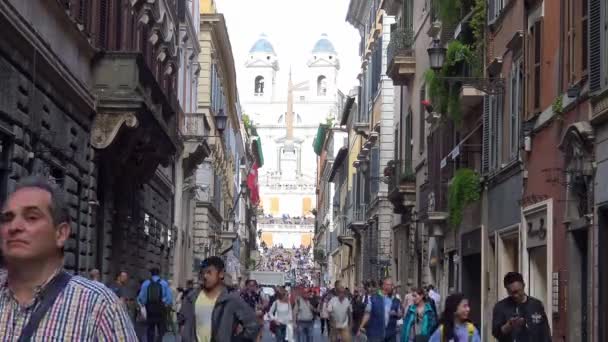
[{"x": 286, "y": 109}]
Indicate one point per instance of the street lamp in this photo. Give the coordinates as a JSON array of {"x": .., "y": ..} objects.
[
  {"x": 491, "y": 86},
  {"x": 220, "y": 121},
  {"x": 436, "y": 54}
]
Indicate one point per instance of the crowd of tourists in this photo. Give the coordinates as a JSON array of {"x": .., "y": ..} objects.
[
  {"x": 40, "y": 301},
  {"x": 294, "y": 261}
]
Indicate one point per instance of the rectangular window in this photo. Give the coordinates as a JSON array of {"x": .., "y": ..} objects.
[
  {"x": 495, "y": 130},
  {"x": 408, "y": 148},
  {"x": 422, "y": 121},
  {"x": 537, "y": 34},
  {"x": 375, "y": 172},
  {"x": 495, "y": 8},
  {"x": 516, "y": 103},
  {"x": 274, "y": 205},
  {"x": 585, "y": 36},
  {"x": 306, "y": 206}
]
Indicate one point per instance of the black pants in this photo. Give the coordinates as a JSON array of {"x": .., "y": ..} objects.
[
  {"x": 154, "y": 326},
  {"x": 324, "y": 323}
]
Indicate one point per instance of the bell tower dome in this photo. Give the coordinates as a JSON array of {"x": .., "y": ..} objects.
[
  {"x": 323, "y": 65},
  {"x": 262, "y": 66}
]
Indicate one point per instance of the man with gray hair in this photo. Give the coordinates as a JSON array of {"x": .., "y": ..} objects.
[{"x": 38, "y": 298}]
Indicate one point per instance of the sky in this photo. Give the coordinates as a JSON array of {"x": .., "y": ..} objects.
[{"x": 293, "y": 27}]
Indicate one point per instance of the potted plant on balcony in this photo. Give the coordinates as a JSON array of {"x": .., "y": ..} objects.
[{"x": 464, "y": 189}]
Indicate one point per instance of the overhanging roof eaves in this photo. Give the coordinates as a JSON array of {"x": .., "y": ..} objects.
[{"x": 342, "y": 153}]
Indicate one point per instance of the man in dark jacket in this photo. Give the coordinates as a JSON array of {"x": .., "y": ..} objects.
[
  {"x": 382, "y": 311},
  {"x": 212, "y": 313},
  {"x": 519, "y": 317}
]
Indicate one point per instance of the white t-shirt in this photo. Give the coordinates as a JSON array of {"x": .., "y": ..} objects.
[
  {"x": 339, "y": 311},
  {"x": 281, "y": 312}
]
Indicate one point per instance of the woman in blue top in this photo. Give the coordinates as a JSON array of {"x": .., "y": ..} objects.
[
  {"x": 455, "y": 325},
  {"x": 420, "y": 319}
]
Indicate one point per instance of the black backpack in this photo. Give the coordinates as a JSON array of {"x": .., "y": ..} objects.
[{"x": 154, "y": 303}]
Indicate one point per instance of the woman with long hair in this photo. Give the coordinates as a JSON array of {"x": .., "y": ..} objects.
[
  {"x": 455, "y": 324},
  {"x": 420, "y": 319},
  {"x": 281, "y": 315}
]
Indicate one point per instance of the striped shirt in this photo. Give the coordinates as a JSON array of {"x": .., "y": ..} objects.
[{"x": 84, "y": 311}]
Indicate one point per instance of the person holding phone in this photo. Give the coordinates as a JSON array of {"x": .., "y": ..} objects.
[{"x": 519, "y": 317}]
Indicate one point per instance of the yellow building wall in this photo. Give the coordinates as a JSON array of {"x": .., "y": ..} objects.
[
  {"x": 207, "y": 6},
  {"x": 306, "y": 205},
  {"x": 274, "y": 205},
  {"x": 267, "y": 238},
  {"x": 306, "y": 240}
]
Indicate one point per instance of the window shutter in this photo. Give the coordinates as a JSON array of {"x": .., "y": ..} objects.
[
  {"x": 375, "y": 171},
  {"x": 422, "y": 131},
  {"x": 102, "y": 35},
  {"x": 595, "y": 45},
  {"x": 485, "y": 163},
  {"x": 491, "y": 10}
]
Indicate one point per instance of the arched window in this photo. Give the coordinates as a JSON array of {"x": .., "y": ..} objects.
[
  {"x": 259, "y": 86},
  {"x": 321, "y": 86}
]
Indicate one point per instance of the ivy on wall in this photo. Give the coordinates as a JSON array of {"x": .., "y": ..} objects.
[{"x": 464, "y": 190}]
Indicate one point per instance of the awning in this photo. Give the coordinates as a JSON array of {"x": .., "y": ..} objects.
[
  {"x": 342, "y": 153},
  {"x": 317, "y": 143},
  {"x": 256, "y": 146}
]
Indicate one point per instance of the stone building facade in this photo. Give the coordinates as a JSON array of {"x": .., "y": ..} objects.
[{"x": 89, "y": 84}]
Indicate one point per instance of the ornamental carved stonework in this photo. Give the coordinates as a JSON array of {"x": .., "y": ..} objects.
[{"x": 106, "y": 127}]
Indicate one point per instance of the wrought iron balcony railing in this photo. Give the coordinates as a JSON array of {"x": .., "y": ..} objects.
[{"x": 400, "y": 56}]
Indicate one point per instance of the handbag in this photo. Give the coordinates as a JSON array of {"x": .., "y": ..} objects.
[{"x": 47, "y": 298}]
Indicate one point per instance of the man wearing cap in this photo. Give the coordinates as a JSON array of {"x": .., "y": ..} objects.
[{"x": 210, "y": 313}]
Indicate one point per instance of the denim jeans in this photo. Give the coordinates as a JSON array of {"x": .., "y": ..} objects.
[
  {"x": 304, "y": 331},
  {"x": 281, "y": 333}
]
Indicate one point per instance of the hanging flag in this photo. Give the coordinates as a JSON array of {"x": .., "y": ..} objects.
[{"x": 252, "y": 184}]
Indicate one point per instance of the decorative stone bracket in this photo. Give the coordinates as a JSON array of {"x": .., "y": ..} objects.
[{"x": 106, "y": 127}]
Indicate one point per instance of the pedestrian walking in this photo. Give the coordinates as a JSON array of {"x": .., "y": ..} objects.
[
  {"x": 381, "y": 314},
  {"x": 325, "y": 314},
  {"x": 420, "y": 319},
  {"x": 434, "y": 295},
  {"x": 211, "y": 313},
  {"x": 280, "y": 315},
  {"x": 95, "y": 275},
  {"x": 455, "y": 324},
  {"x": 251, "y": 296},
  {"x": 119, "y": 286},
  {"x": 359, "y": 303},
  {"x": 519, "y": 317},
  {"x": 340, "y": 316},
  {"x": 157, "y": 297},
  {"x": 39, "y": 300},
  {"x": 304, "y": 317}
]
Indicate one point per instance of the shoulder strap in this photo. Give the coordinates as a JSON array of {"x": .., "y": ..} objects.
[
  {"x": 47, "y": 298},
  {"x": 470, "y": 330}
]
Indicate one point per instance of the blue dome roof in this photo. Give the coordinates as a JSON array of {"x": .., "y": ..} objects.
[
  {"x": 263, "y": 46},
  {"x": 323, "y": 45}
]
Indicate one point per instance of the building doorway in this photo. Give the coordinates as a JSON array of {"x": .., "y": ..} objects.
[
  {"x": 578, "y": 272},
  {"x": 507, "y": 258},
  {"x": 537, "y": 274},
  {"x": 603, "y": 276},
  {"x": 471, "y": 272}
]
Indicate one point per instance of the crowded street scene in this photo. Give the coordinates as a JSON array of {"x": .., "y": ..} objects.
[{"x": 304, "y": 171}]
